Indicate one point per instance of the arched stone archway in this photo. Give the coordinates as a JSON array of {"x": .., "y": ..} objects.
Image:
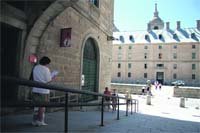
[{"x": 39, "y": 27}]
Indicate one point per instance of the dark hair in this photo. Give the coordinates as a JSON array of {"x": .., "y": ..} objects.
[{"x": 44, "y": 60}]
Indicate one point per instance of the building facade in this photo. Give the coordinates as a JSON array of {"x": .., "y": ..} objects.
[
  {"x": 159, "y": 53},
  {"x": 32, "y": 29}
]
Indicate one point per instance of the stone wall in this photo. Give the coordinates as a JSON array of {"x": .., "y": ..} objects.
[
  {"x": 132, "y": 88},
  {"x": 86, "y": 21},
  {"x": 187, "y": 92}
]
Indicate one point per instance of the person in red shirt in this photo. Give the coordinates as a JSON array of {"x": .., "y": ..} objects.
[{"x": 107, "y": 99}]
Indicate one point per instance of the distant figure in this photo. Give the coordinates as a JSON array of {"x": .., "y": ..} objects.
[
  {"x": 128, "y": 97},
  {"x": 160, "y": 86},
  {"x": 143, "y": 90},
  {"x": 107, "y": 99},
  {"x": 156, "y": 84},
  {"x": 114, "y": 100}
]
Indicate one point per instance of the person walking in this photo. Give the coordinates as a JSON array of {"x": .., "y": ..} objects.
[{"x": 41, "y": 73}]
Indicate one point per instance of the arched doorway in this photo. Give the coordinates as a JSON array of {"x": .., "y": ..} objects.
[{"x": 90, "y": 69}]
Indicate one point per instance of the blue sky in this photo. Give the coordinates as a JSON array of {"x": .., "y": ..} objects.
[{"x": 130, "y": 15}]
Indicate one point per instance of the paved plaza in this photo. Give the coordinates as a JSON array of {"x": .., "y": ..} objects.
[{"x": 163, "y": 116}]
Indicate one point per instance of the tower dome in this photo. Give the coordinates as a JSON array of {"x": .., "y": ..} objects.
[{"x": 156, "y": 23}]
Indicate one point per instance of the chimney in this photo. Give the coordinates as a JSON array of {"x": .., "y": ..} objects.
[
  {"x": 178, "y": 26},
  {"x": 198, "y": 25},
  {"x": 167, "y": 25},
  {"x": 148, "y": 27}
]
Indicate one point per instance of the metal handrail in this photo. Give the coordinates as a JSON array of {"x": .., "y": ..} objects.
[{"x": 31, "y": 83}]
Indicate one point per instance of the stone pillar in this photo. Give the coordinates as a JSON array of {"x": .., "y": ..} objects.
[
  {"x": 178, "y": 26},
  {"x": 182, "y": 102},
  {"x": 148, "y": 100}
]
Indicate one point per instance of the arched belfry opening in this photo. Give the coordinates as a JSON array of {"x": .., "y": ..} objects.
[{"x": 90, "y": 68}]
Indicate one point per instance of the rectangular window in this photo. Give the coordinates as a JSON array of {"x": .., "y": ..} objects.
[
  {"x": 119, "y": 56},
  {"x": 95, "y": 2},
  {"x": 193, "y": 66},
  {"x": 193, "y": 46},
  {"x": 160, "y": 56},
  {"x": 193, "y": 76},
  {"x": 175, "y": 46},
  {"x": 119, "y": 65},
  {"x": 174, "y": 76},
  {"x": 145, "y": 55},
  {"x": 145, "y": 75},
  {"x": 119, "y": 47},
  {"x": 160, "y": 65},
  {"x": 145, "y": 47},
  {"x": 145, "y": 66},
  {"x": 129, "y": 74},
  {"x": 175, "y": 66},
  {"x": 118, "y": 74},
  {"x": 159, "y": 47},
  {"x": 193, "y": 55},
  {"x": 129, "y": 56},
  {"x": 129, "y": 65},
  {"x": 174, "y": 56},
  {"x": 130, "y": 47}
]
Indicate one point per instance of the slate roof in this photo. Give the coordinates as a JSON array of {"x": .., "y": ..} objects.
[{"x": 158, "y": 36}]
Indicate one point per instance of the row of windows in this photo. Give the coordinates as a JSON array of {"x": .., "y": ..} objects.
[
  {"x": 160, "y": 36},
  {"x": 146, "y": 76},
  {"x": 160, "y": 56},
  {"x": 158, "y": 66},
  {"x": 159, "y": 47}
]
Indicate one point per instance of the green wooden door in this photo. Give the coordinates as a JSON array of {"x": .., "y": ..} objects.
[{"x": 90, "y": 69}]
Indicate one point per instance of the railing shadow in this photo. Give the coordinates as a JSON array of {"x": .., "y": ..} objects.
[{"x": 66, "y": 104}]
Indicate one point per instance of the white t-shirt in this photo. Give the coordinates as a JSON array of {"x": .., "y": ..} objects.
[{"x": 41, "y": 74}]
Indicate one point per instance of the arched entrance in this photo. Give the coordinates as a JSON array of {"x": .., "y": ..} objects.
[{"x": 90, "y": 69}]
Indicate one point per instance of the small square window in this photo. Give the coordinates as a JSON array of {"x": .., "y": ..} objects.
[
  {"x": 129, "y": 65},
  {"x": 129, "y": 74},
  {"x": 193, "y": 55},
  {"x": 118, "y": 74},
  {"x": 159, "y": 47},
  {"x": 175, "y": 66},
  {"x": 130, "y": 47},
  {"x": 175, "y": 46},
  {"x": 145, "y": 75},
  {"x": 119, "y": 65},
  {"x": 145, "y": 55},
  {"x": 193, "y": 46},
  {"x": 145, "y": 66},
  {"x": 160, "y": 55},
  {"x": 174, "y": 76},
  {"x": 95, "y": 2},
  {"x": 145, "y": 47},
  {"x": 193, "y": 66},
  {"x": 129, "y": 55},
  {"x": 193, "y": 76},
  {"x": 120, "y": 47},
  {"x": 175, "y": 56}
]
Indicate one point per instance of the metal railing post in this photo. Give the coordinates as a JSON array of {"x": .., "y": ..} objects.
[
  {"x": 131, "y": 106},
  {"x": 66, "y": 112},
  {"x": 126, "y": 107},
  {"x": 102, "y": 110},
  {"x": 117, "y": 108}
]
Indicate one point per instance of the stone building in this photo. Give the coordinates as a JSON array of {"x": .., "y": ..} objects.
[
  {"x": 32, "y": 29},
  {"x": 159, "y": 53}
]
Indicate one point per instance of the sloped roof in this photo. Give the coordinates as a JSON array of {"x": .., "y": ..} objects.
[{"x": 158, "y": 36}]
